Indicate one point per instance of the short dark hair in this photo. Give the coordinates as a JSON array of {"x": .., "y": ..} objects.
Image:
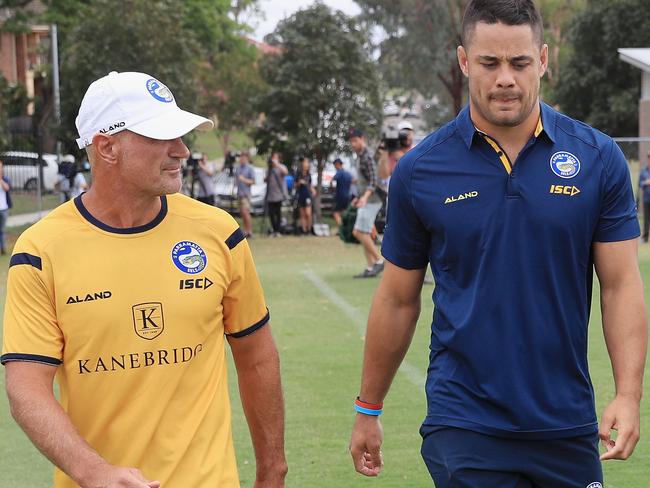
[{"x": 509, "y": 12}]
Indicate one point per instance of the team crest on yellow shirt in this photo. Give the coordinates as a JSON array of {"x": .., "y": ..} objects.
[
  {"x": 148, "y": 319},
  {"x": 189, "y": 257}
]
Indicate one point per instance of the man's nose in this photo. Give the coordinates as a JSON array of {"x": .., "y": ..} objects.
[
  {"x": 179, "y": 149},
  {"x": 505, "y": 77}
]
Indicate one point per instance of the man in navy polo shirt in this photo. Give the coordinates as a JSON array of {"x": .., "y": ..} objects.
[{"x": 513, "y": 204}]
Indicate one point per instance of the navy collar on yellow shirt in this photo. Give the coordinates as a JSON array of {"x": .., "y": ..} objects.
[{"x": 468, "y": 131}]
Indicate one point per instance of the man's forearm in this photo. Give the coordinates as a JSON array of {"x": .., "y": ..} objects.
[
  {"x": 50, "y": 429},
  {"x": 391, "y": 325},
  {"x": 261, "y": 395},
  {"x": 626, "y": 335}
]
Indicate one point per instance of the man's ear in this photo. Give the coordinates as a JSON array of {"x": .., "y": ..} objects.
[
  {"x": 462, "y": 59},
  {"x": 106, "y": 148}
]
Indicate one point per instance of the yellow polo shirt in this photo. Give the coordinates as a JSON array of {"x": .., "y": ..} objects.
[{"x": 135, "y": 319}]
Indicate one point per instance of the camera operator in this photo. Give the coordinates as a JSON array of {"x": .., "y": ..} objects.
[
  {"x": 70, "y": 179},
  {"x": 394, "y": 145},
  {"x": 229, "y": 162},
  {"x": 276, "y": 191},
  {"x": 205, "y": 172}
]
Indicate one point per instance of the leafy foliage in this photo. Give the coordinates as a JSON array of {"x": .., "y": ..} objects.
[
  {"x": 193, "y": 46},
  {"x": 595, "y": 85},
  {"x": 322, "y": 84},
  {"x": 420, "y": 49}
]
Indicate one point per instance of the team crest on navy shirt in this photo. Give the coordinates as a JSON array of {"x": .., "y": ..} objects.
[
  {"x": 595, "y": 485},
  {"x": 189, "y": 257},
  {"x": 564, "y": 164}
]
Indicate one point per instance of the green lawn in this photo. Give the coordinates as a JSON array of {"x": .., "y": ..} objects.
[
  {"x": 318, "y": 313},
  {"x": 28, "y": 202}
]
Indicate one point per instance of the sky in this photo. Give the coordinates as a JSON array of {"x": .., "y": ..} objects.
[{"x": 276, "y": 10}]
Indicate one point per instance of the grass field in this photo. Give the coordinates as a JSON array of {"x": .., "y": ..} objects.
[{"x": 318, "y": 316}]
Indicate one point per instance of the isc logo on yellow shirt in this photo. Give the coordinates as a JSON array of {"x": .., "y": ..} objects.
[{"x": 569, "y": 190}]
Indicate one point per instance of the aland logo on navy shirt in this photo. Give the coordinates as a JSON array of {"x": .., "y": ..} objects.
[{"x": 564, "y": 164}]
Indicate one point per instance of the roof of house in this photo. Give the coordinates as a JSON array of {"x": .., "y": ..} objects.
[{"x": 636, "y": 56}]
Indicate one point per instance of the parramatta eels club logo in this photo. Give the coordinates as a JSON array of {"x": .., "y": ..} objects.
[
  {"x": 159, "y": 91},
  {"x": 564, "y": 164},
  {"x": 148, "y": 319},
  {"x": 189, "y": 257}
]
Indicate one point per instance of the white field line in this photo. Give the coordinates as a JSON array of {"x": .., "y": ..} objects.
[{"x": 412, "y": 373}]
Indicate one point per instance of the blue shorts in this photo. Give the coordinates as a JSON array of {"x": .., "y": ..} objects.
[{"x": 458, "y": 458}]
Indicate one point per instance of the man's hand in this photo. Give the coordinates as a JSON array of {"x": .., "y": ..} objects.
[
  {"x": 118, "y": 477},
  {"x": 367, "y": 436},
  {"x": 360, "y": 202},
  {"x": 623, "y": 416}
]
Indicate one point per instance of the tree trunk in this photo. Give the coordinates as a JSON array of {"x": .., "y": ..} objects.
[{"x": 225, "y": 143}]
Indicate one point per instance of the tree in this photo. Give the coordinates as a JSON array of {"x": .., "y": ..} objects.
[
  {"x": 185, "y": 43},
  {"x": 420, "y": 49},
  {"x": 557, "y": 16},
  {"x": 229, "y": 72},
  {"x": 131, "y": 35},
  {"x": 323, "y": 83},
  {"x": 595, "y": 85}
]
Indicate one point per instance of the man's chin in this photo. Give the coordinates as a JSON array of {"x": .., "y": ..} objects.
[{"x": 506, "y": 119}]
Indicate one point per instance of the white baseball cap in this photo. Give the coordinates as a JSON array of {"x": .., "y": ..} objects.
[
  {"x": 137, "y": 102},
  {"x": 405, "y": 125}
]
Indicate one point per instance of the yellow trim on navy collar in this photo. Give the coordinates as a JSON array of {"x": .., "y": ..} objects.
[{"x": 500, "y": 152}]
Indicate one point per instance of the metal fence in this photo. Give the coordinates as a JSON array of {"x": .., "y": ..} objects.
[{"x": 33, "y": 176}]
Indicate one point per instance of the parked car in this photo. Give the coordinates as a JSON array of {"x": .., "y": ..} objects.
[
  {"x": 226, "y": 192},
  {"x": 22, "y": 169}
]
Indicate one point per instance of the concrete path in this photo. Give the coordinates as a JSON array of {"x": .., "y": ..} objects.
[{"x": 27, "y": 218}]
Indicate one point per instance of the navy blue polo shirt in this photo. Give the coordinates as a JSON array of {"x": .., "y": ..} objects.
[{"x": 510, "y": 249}]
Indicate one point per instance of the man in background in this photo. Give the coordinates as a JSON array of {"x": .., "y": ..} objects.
[
  {"x": 368, "y": 204},
  {"x": 343, "y": 180},
  {"x": 205, "y": 176},
  {"x": 644, "y": 189},
  {"x": 245, "y": 178}
]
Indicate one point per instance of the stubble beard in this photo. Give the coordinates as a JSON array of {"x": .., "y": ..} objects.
[{"x": 503, "y": 119}]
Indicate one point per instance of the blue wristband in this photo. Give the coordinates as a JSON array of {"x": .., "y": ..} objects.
[{"x": 367, "y": 411}]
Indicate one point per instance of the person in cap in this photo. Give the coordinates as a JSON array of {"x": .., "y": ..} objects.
[
  {"x": 245, "y": 175},
  {"x": 343, "y": 182},
  {"x": 368, "y": 204},
  {"x": 406, "y": 133},
  {"x": 644, "y": 189},
  {"x": 514, "y": 205},
  {"x": 127, "y": 294}
]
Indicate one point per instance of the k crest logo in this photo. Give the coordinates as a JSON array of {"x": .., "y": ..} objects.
[{"x": 148, "y": 319}]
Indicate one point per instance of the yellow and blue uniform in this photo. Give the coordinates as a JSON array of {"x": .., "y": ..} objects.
[
  {"x": 135, "y": 321},
  {"x": 510, "y": 247}
]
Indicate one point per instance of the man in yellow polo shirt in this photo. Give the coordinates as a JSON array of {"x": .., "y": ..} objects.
[{"x": 126, "y": 295}]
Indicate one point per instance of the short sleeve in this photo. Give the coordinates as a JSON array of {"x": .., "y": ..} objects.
[
  {"x": 30, "y": 330},
  {"x": 618, "y": 216},
  {"x": 244, "y": 308},
  {"x": 406, "y": 240}
]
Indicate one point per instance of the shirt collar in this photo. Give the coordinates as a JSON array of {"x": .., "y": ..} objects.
[{"x": 546, "y": 124}]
